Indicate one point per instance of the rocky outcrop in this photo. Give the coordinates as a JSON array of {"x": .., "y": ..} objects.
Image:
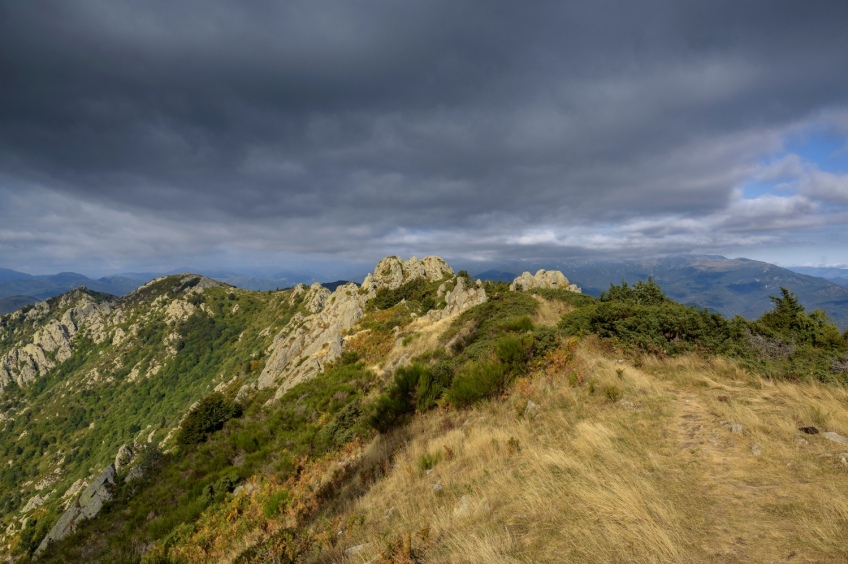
[
  {"x": 124, "y": 457},
  {"x": 465, "y": 294},
  {"x": 543, "y": 279},
  {"x": 52, "y": 343},
  {"x": 309, "y": 341},
  {"x": 89, "y": 504},
  {"x": 392, "y": 272}
]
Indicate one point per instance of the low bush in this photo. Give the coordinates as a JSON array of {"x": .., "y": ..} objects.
[
  {"x": 208, "y": 416},
  {"x": 476, "y": 382},
  {"x": 415, "y": 387},
  {"x": 418, "y": 291},
  {"x": 514, "y": 351}
]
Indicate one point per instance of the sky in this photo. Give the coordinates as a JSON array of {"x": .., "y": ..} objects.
[{"x": 150, "y": 136}]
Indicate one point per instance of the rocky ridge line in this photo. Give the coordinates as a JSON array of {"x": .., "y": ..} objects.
[{"x": 308, "y": 342}]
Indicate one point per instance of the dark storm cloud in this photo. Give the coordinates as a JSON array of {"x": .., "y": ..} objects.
[{"x": 375, "y": 123}]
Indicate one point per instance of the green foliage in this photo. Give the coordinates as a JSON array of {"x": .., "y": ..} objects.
[
  {"x": 419, "y": 292},
  {"x": 216, "y": 492},
  {"x": 428, "y": 460},
  {"x": 514, "y": 352},
  {"x": 518, "y": 324},
  {"x": 789, "y": 321},
  {"x": 612, "y": 393},
  {"x": 545, "y": 339},
  {"x": 415, "y": 387},
  {"x": 478, "y": 381},
  {"x": 643, "y": 293},
  {"x": 785, "y": 342},
  {"x": 647, "y": 321},
  {"x": 33, "y": 532},
  {"x": 207, "y": 417},
  {"x": 275, "y": 503}
]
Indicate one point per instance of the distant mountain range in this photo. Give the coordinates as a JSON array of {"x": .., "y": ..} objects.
[
  {"x": 18, "y": 289},
  {"x": 836, "y": 275},
  {"x": 727, "y": 286}
]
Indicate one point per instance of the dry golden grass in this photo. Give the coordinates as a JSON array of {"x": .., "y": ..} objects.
[
  {"x": 632, "y": 465},
  {"x": 549, "y": 312}
]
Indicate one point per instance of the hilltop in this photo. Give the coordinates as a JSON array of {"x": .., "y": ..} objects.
[{"x": 420, "y": 416}]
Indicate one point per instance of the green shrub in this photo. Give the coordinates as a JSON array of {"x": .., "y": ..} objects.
[
  {"x": 216, "y": 492},
  {"x": 415, "y": 387},
  {"x": 478, "y": 381},
  {"x": 418, "y": 291},
  {"x": 275, "y": 503},
  {"x": 518, "y": 324},
  {"x": 514, "y": 351},
  {"x": 545, "y": 339},
  {"x": 343, "y": 427},
  {"x": 208, "y": 416},
  {"x": 643, "y": 293},
  {"x": 612, "y": 393},
  {"x": 429, "y": 460},
  {"x": 667, "y": 328}
]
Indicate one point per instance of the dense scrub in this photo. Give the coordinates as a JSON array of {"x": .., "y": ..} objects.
[{"x": 786, "y": 342}]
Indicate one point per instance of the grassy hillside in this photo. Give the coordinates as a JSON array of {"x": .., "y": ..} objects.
[{"x": 536, "y": 426}]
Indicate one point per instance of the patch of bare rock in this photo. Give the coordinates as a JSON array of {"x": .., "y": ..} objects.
[{"x": 543, "y": 279}]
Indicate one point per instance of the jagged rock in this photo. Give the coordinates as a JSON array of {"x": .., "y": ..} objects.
[
  {"x": 35, "y": 502},
  {"x": 463, "y": 296},
  {"x": 543, "y": 279},
  {"x": 89, "y": 504},
  {"x": 316, "y": 297},
  {"x": 72, "y": 491},
  {"x": 245, "y": 489},
  {"x": 124, "y": 457},
  {"x": 392, "y": 272},
  {"x": 178, "y": 310},
  {"x": 52, "y": 343},
  {"x": 135, "y": 473},
  {"x": 307, "y": 343},
  {"x": 531, "y": 410}
]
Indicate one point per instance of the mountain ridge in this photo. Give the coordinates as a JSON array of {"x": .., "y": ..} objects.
[{"x": 137, "y": 426}]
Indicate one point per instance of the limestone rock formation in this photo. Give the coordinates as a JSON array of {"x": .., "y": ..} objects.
[
  {"x": 308, "y": 342},
  {"x": 464, "y": 295},
  {"x": 124, "y": 457},
  {"x": 392, "y": 272},
  {"x": 89, "y": 504},
  {"x": 52, "y": 343},
  {"x": 543, "y": 279}
]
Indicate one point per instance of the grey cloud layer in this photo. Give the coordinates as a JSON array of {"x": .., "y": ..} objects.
[{"x": 376, "y": 123}]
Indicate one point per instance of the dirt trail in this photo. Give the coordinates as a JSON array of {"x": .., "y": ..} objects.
[{"x": 738, "y": 516}]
